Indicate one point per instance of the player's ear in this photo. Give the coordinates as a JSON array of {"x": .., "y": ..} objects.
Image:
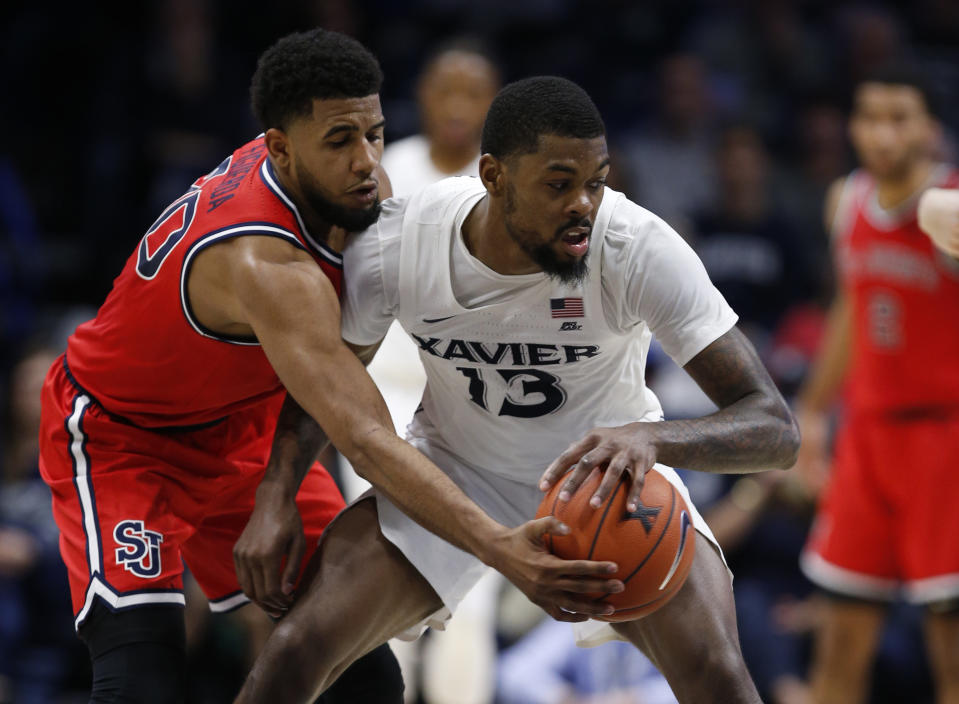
[
  {"x": 278, "y": 145},
  {"x": 491, "y": 174}
]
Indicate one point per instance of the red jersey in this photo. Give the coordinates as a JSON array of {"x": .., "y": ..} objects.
[
  {"x": 905, "y": 303},
  {"x": 145, "y": 357}
]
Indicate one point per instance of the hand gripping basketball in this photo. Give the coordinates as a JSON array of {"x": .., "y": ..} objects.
[
  {"x": 653, "y": 544},
  {"x": 564, "y": 588}
]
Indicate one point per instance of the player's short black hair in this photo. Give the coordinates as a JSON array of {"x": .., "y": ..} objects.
[
  {"x": 306, "y": 65},
  {"x": 543, "y": 105},
  {"x": 902, "y": 73}
]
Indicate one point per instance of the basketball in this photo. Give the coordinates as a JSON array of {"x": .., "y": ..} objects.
[{"x": 653, "y": 546}]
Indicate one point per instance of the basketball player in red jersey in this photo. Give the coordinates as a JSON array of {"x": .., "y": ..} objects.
[
  {"x": 159, "y": 420},
  {"x": 887, "y": 524}
]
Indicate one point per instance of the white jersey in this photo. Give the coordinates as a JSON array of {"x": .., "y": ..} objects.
[
  {"x": 519, "y": 367},
  {"x": 408, "y": 164}
]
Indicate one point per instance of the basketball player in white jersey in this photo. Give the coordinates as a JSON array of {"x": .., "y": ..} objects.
[{"x": 532, "y": 293}]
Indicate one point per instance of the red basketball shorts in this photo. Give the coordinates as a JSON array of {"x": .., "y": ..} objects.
[
  {"x": 134, "y": 505},
  {"x": 889, "y": 518}
]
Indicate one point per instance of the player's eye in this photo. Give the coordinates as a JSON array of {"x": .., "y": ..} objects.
[
  {"x": 560, "y": 186},
  {"x": 598, "y": 185}
]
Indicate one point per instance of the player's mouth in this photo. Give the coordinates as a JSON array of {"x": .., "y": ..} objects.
[
  {"x": 575, "y": 241},
  {"x": 364, "y": 193}
]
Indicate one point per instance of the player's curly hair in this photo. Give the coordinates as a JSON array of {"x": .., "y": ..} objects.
[
  {"x": 542, "y": 105},
  {"x": 306, "y": 65}
]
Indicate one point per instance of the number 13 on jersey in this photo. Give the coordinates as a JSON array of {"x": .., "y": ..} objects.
[{"x": 528, "y": 393}]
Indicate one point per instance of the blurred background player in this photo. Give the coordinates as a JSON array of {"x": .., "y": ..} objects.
[
  {"x": 886, "y": 524},
  {"x": 453, "y": 93}
]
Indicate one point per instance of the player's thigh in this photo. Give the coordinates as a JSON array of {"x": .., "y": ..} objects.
[
  {"x": 848, "y": 550},
  {"x": 697, "y": 627},
  {"x": 359, "y": 590},
  {"x": 115, "y": 507},
  {"x": 926, "y": 492}
]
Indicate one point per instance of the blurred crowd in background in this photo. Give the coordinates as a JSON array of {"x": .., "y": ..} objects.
[{"x": 725, "y": 117}]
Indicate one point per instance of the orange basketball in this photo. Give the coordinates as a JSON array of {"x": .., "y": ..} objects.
[{"x": 653, "y": 546}]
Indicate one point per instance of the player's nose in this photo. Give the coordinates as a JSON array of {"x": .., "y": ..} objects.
[
  {"x": 580, "y": 206},
  {"x": 365, "y": 158}
]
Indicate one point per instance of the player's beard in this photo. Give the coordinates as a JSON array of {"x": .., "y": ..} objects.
[
  {"x": 350, "y": 219},
  {"x": 570, "y": 272}
]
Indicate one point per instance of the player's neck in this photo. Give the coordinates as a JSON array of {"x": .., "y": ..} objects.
[
  {"x": 451, "y": 160},
  {"x": 893, "y": 192},
  {"x": 486, "y": 238}
]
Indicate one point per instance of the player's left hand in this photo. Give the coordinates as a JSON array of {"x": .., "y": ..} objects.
[
  {"x": 273, "y": 532},
  {"x": 627, "y": 449},
  {"x": 939, "y": 218}
]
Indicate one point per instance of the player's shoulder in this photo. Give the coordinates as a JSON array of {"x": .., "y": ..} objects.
[
  {"x": 379, "y": 236},
  {"x": 834, "y": 195},
  {"x": 251, "y": 252},
  {"x": 632, "y": 224},
  {"x": 244, "y": 188},
  {"x": 435, "y": 204}
]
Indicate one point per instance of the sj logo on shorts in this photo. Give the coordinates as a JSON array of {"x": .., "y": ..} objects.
[{"x": 140, "y": 551}]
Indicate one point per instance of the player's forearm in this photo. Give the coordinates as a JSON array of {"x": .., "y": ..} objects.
[
  {"x": 297, "y": 443},
  {"x": 753, "y": 434},
  {"x": 824, "y": 379},
  {"x": 424, "y": 493},
  {"x": 752, "y": 430}
]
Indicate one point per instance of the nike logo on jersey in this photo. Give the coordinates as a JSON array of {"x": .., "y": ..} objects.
[{"x": 437, "y": 320}]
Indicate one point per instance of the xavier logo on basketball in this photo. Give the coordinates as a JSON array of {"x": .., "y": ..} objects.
[
  {"x": 645, "y": 515},
  {"x": 140, "y": 553}
]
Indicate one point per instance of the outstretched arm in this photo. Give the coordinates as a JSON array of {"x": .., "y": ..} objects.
[
  {"x": 293, "y": 310},
  {"x": 753, "y": 429}
]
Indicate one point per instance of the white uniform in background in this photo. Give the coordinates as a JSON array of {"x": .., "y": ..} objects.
[
  {"x": 408, "y": 164},
  {"x": 518, "y": 367}
]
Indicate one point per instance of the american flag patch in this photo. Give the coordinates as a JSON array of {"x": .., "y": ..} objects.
[{"x": 566, "y": 307}]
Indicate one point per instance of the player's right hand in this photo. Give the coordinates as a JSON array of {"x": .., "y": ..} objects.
[
  {"x": 560, "y": 587},
  {"x": 274, "y": 532}
]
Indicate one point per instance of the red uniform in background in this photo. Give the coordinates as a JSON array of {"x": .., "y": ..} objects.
[
  {"x": 157, "y": 431},
  {"x": 889, "y": 515}
]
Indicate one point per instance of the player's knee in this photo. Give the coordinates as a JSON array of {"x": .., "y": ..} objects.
[
  {"x": 374, "y": 678},
  {"x": 137, "y": 655}
]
